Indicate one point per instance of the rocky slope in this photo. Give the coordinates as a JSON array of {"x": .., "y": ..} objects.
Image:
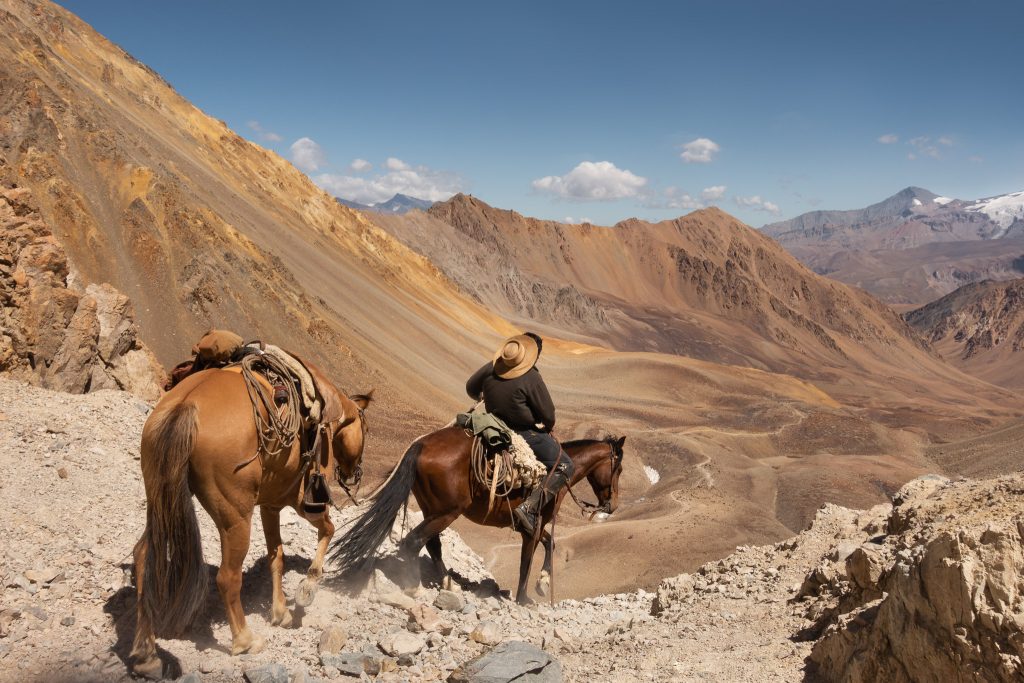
[
  {"x": 980, "y": 328},
  {"x": 948, "y": 552},
  {"x": 912, "y": 247},
  {"x": 202, "y": 228},
  {"x": 54, "y": 333}
]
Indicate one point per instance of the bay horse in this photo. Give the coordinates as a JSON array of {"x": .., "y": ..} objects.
[
  {"x": 201, "y": 439},
  {"x": 436, "y": 470}
]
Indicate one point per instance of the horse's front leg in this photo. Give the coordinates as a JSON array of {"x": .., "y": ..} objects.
[
  {"x": 544, "y": 580},
  {"x": 279, "y": 614},
  {"x": 525, "y": 564},
  {"x": 308, "y": 587}
]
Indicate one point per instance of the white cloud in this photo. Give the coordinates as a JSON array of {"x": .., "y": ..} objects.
[
  {"x": 360, "y": 165},
  {"x": 262, "y": 133},
  {"x": 757, "y": 204},
  {"x": 307, "y": 155},
  {"x": 710, "y": 194},
  {"x": 419, "y": 181},
  {"x": 889, "y": 139},
  {"x": 699, "y": 151},
  {"x": 592, "y": 181},
  {"x": 571, "y": 220}
]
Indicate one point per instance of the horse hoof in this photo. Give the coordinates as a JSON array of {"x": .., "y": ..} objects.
[
  {"x": 543, "y": 584},
  {"x": 284, "y": 619},
  {"x": 307, "y": 591},
  {"x": 252, "y": 644},
  {"x": 151, "y": 668}
]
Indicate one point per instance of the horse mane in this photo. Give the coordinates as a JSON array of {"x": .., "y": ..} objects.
[{"x": 588, "y": 442}]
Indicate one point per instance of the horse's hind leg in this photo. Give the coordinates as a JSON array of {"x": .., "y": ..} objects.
[
  {"x": 145, "y": 661},
  {"x": 279, "y": 614},
  {"x": 424, "y": 531},
  {"x": 308, "y": 587},
  {"x": 234, "y": 544},
  {"x": 436, "y": 553}
]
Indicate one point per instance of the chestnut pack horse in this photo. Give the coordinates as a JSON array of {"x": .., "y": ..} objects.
[
  {"x": 201, "y": 439},
  {"x": 436, "y": 470}
]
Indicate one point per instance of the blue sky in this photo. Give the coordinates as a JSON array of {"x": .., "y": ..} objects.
[{"x": 605, "y": 111}]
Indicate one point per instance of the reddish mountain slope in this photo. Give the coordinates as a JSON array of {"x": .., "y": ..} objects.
[
  {"x": 704, "y": 285},
  {"x": 980, "y": 328}
]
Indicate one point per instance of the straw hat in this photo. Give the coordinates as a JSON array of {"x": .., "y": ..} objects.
[{"x": 516, "y": 356}]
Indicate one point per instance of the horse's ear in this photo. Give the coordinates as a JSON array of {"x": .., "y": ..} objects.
[
  {"x": 362, "y": 400},
  {"x": 618, "y": 444}
]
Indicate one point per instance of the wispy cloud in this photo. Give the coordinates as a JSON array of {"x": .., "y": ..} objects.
[
  {"x": 592, "y": 181},
  {"x": 416, "y": 181},
  {"x": 360, "y": 165},
  {"x": 889, "y": 139},
  {"x": 676, "y": 198},
  {"x": 699, "y": 151},
  {"x": 757, "y": 203},
  {"x": 307, "y": 155},
  {"x": 570, "y": 219},
  {"x": 925, "y": 146},
  {"x": 262, "y": 133}
]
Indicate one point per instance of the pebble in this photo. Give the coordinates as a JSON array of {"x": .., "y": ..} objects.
[{"x": 449, "y": 600}]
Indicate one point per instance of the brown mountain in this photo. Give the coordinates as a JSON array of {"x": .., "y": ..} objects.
[
  {"x": 979, "y": 328},
  {"x": 704, "y": 286},
  {"x": 753, "y": 388}
]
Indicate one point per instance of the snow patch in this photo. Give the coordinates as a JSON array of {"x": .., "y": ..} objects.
[
  {"x": 942, "y": 201},
  {"x": 1002, "y": 210},
  {"x": 652, "y": 474},
  {"x": 916, "y": 202}
]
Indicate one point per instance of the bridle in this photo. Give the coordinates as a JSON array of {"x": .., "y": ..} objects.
[
  {"x": 594, "y": 508},
  {"x": 357, "y": 474}
]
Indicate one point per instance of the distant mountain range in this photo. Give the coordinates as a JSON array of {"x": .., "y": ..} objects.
[
  {"x": 399, "y": 204},
  {"x": 914, "y": 246}
]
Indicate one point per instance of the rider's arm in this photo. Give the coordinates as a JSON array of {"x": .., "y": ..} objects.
[
  {"x": 475, "y": 384},
  {"x": 541, "y": 405}
]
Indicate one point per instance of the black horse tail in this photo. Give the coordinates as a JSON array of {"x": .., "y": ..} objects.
[{"x": 357, "y": 547}]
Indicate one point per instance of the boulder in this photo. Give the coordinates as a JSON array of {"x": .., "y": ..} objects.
[
  {"x": 511, "y": 661},
  {"x": 940, "y": 601}
]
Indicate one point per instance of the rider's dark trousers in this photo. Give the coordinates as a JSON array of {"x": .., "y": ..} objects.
[{"x": 547, "y": 450}]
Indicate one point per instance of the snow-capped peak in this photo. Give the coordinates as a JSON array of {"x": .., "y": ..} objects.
[{"x": 1002, "y": 210}]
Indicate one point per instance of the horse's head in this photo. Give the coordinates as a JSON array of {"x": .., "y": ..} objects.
[
  {"x": 350, "y": 439},
  {"x": 604, "y": 478}
]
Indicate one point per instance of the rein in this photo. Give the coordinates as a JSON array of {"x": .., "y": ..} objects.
[{"x": 585, "y": 505}]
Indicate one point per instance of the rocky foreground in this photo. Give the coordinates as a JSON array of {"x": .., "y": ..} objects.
[{"x": 926, "y": 589}]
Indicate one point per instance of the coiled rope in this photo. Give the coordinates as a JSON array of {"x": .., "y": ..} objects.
[{"x": 278, "y": 430}]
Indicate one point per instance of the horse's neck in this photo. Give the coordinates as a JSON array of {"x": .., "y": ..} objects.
[{"x": 586, "y": 460}]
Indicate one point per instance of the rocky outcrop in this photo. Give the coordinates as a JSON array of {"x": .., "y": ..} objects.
[
  {"x": 54, "y": 334},
  {"x": 936, "y": 598}
]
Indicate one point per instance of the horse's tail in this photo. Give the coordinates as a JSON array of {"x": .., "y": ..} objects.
[
  {"x": 356, "y": 548},
  {"x": 175, "y": 578}
]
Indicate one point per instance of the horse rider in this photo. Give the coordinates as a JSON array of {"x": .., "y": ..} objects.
[{"x": 512, "y": 389}]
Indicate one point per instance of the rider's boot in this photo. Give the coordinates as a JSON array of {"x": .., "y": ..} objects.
[{"x": 526, "y": 515}]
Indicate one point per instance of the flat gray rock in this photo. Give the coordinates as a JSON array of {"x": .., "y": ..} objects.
[{"x": 511, "y": 661}]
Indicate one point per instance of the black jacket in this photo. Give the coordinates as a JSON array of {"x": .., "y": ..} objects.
[{"x": 519, "y": 402}]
